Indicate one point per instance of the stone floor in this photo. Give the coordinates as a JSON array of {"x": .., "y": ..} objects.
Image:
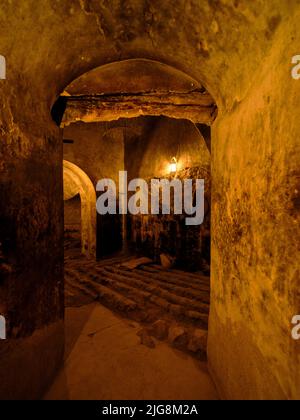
[
  {"x": 133, "y": 333},
  {"x": 169, "y": 305},
  {"x": 105, "y": 360}
]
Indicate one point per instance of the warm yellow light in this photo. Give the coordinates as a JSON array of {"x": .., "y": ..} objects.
[{"x": 173, "y": 165}]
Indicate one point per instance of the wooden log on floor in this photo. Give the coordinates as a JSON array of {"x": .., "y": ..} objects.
[{"x": 185, "y": 291}]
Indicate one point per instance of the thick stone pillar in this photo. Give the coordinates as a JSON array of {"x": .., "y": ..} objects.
[{"x": 31, "y": 260}]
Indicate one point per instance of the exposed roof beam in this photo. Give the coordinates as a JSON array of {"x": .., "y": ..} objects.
[{"x": 198, "y": 107}]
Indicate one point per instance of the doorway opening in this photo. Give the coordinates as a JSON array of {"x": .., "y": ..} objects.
[
  {"x": 150, "y": 269},
  {"x": 72, "y": 224},
  {"x": 80, "y": 201}
]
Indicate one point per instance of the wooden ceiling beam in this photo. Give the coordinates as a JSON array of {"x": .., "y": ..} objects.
[{"x": 198, "y": 107}]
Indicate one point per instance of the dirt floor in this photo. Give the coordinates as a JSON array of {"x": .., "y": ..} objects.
[
  {"x": 105, "y": 360},
  {"x": 133, "y": 333},
  {"x": 169, "y": 305}
]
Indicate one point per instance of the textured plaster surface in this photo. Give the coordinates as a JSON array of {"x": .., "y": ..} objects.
[
  {"x": 106, "y": 361},
  {"x": 256, "y": 238},
  {"x": 98, "y": 149},
  {"x": 77, "y": 182},
  {"x": 241, "y": 51},
  {"x": 121, "y": 77}
]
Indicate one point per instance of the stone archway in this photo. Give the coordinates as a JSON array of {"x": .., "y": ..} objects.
[
  {"x": 243, "y": 57},
  {"x": 77, "y": 182},
  {"x": 109, "y": 93}
]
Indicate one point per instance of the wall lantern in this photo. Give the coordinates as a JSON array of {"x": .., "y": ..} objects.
[{"x": 173, "y": 166}]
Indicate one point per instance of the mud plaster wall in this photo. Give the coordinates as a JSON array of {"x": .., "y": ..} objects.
[
  {"x": 256, "y": 238},
  {"x": 72, "y": 224},
  {"x": 98, "y": 149},
  {"x": 72, "y": 214},
  {"x": 224, "y": 44},
  {"x": 148, "y": 155},
  {"x": 31, "y": 272},
  {"x": 144, "y": 147},
  {"x": 76, "y": 182}
]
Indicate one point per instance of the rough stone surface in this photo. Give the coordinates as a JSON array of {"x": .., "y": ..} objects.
[
  {"x": 177, "y": 335},
  {"x": 141, "y": 146},
  {"x": 76, "y": 182},
  {"x": 98, "y": 149},
  {"x": 196, "y": 107},
  {"x": 198, "y": 341},
  {"x": 148, "y": 156},
  {"x": 241, "y": 52},
  {"x": 183, "y": 246},
  {"x": 146, "y": 339},
  {"x": 159, "y": 329},
  {"x": 167, "y": 261},
  {"x": 114, "y": 365},
  {"x": 41, "y": 354},
  {"x": 153, "y": 77},
  {"x": 150, "y": 295},
  {"x": 255, "y": 234}
]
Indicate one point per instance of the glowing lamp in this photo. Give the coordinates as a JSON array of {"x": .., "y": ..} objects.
[{"x": 173, "y": 166}]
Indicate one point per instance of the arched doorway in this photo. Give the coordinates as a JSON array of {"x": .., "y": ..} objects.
[
  {"x": 76, "y": 182},
  {"x": 208, "y": 44},
  {"x": 113, "y": 122}
]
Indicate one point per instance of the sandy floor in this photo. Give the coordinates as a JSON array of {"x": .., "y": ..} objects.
[{"x": 105, "y": 361}]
